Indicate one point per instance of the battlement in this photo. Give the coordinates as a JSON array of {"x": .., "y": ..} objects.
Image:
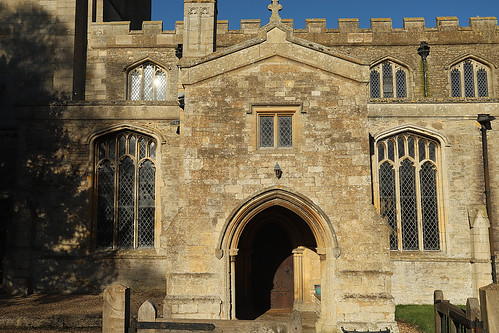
[
  {"x": 346, "y": 25},
  {"x": 152, "y": 33}
]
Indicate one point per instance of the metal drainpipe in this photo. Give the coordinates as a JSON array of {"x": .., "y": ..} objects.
[{"x": 484, "y": 120}]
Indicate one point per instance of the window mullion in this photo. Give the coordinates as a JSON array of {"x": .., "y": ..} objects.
[
  {"x": 142, "y": 79},
  {"x": 394, "y": 81},
  {"x": 153, "y": 83},
  {"x": 440, "y": 211},
  {"x": 463, "y": 89},
  {"x": 419, "y": 207},
  {"x": 136, "y": 203},
  {"x": 116, "y": 191},
  {"x": 381, "y": 85},
  {"x": 397, "y": 201},
  {"x": 276, "y": 131},
  {"x": 475, "y": 78}
]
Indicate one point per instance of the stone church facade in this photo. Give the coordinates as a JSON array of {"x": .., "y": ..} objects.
[{"x": 327, "y": 170}]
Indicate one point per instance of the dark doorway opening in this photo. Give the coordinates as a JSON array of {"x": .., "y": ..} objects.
[
  {"x": 264, "y": 264},
  {"x": 4, "y": 219}
]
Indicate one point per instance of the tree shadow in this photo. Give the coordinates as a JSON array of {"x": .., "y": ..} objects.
[{"x": 45, "y": 188}]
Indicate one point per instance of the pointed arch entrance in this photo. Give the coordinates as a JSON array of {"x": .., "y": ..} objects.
[
  {"x": 263, "y": 244},
  {"x": 265, "y": 271}
]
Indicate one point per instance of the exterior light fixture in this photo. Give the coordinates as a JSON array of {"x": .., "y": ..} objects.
[
  {"x": 179, "y": 50},
  {"x": 277, "y": 170},
  {"x": 424, "y": 51}
]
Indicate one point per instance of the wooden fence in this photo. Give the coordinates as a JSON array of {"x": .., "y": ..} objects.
[{"x": 450, "y": 318}]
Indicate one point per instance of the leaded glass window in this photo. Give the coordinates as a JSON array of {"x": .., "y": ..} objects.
[
  {"x": 469, "y": 78},
  {"x": 375, "y": 84},
  {"x": 125, "y": 183},
  {"x": 275, "y": 129},
  {"x": 481, "y": 81},
  {"x": 147, "y": 82},
  {"x": 408, "y": 191},
  {"x": 267, "y": 131},
  {"x": 285, "y": 131},
  {"x": 455, "y": 82},
  {"x": 388, "y": 80}
]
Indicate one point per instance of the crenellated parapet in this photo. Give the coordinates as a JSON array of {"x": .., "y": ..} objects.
[
  {"x": 381, "y": 31},
  {"x": 480, "y": 25},
  {"x": 114, "y": 34}
]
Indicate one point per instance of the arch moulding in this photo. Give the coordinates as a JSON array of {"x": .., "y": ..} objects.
[{"x": 316, "y": 219}]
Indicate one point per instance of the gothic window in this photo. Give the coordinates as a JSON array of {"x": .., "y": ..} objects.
[
  {"x": 275, "y": 129},
  {"x": 147, "y": 82},
  {"x": 125, "y": 183},
  {"x": 388, "y": 80},
  {"x": 408, "y": 176},
  {"x": 469, "y": 78}
]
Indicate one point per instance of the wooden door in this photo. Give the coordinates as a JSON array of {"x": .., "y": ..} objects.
[{"x": 282, "y": 294}]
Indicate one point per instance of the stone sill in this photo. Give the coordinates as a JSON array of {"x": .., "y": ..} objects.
[
  {"x": 454, "y": 100},
  {"x": 418, "y": 256}
]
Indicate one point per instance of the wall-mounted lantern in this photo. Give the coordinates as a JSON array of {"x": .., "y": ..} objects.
[{"x": 277, "y": 170}]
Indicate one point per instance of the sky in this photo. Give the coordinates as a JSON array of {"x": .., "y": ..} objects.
[{"x": 170, "y": 11}]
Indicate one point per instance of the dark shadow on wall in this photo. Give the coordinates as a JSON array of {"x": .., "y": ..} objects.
[{"x": 44, "y": 168}]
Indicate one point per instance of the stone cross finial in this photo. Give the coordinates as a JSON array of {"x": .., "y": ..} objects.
[{"x": 275, "y": 7}]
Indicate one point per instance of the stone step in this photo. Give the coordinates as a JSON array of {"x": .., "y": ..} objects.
[{"x": 272, "y": 321}]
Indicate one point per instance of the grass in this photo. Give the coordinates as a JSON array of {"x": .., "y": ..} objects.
[{"x": 421, "y": 316}]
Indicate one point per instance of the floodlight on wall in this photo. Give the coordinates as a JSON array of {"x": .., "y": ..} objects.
[
  {"x": 424, "y": 51},
  {"x": 277, "y": 170}
]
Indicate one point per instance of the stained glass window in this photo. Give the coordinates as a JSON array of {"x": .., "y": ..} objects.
[
  {"x": 384, "y": 83},
  {"x": 408, "y": 191},
  {"x": 147, "y": 82},
  {"x": 125, "y": 191}
]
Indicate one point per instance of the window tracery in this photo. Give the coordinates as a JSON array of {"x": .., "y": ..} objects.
[
  {"x": 408, "y": 192},
  {"x": 469, "y": 78},
  {"x": 388, "y": 80},
  {"x": 125, "y": 183},
  {"x": 147, "y": 82}
]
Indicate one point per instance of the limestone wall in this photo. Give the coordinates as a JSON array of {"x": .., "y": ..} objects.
[
  {"x": 43, "y": 45},
  {"x": 113, "y": 46},
  {"x": 415, "y": 274},
  {"x": 52, "y": 247},
  {"x": 223, "y": 166}
]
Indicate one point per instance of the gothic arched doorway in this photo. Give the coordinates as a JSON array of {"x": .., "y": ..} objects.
[
  {"x": 264, "y": 266},
  {"x": 281, "y": 223}
]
